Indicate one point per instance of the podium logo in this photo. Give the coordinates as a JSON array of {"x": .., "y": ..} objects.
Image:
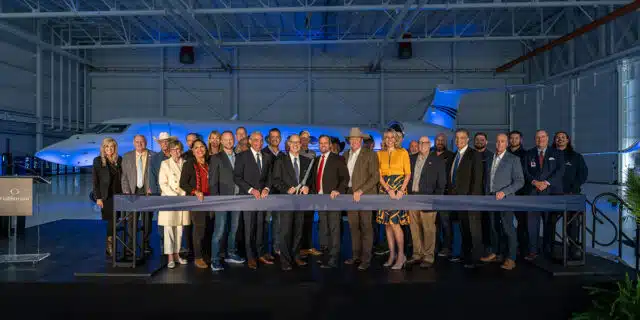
[
  {"x": 14, "y": 196},
  {"x": 14, "y": 191}
]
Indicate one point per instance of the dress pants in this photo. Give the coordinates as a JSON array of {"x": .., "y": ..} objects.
[
  {"x": 471, "y": 229},
  {"x": 446, "y": 224},
  {"x": 146, "y": 218},
  {"x": 254, "y": 227},
  {"x": 202, "y": 223},
  {"x": 330, "y": 233},
  {"x": 522, "y": 232},
  {"x": 307, "y": 230},
  {"x": 291, "y": 224},
  {"x": 502, "y": 224},
  {"x": 361, "y": 234},
  {"x": 423, "y": 234},
  {"x": 172, "y": 239},
  {"x": 548, "y": 232}
]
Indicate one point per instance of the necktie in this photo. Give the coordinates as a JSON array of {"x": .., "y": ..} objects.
[
  {"x": 258, "y": 162},
  {"x": 541, "y": 158},
  {"x": 140, "y": 176},
  {"x": 296, "y": 168},
  {"x": 456, "y": 161},
  {"x": 319, "y": 180},
  {"x": 494, "y": 166}
]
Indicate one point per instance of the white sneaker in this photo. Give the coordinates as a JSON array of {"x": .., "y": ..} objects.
[
  {"x": 171, "y": 264},
  {"x": 182, "y": 261}
]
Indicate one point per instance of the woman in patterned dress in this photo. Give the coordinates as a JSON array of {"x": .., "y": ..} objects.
[{"x": 395, "y": 171}]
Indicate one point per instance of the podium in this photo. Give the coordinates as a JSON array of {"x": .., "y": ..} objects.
[{"x": 17, "y": 199}]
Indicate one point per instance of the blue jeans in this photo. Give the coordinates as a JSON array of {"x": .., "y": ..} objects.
[
  {"x": 508, "y": 229},
  {"x": 224, "y": 220}
]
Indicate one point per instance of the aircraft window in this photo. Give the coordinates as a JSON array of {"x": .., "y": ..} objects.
[
  {"x": 96, "y": 128},
  {"x": 115, "y": 128}
]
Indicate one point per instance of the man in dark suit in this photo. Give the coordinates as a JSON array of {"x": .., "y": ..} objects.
[
  {"x": 503, "y": 177},
  {"x": 252, "y": 175},
  {"x": 221, "y": 183},
  {"x": 516, "y": 148},
  {"x": 445, "y": 218},
  {"x": 364, "y": 176},
  {"x": 465, "y": 178},
  {"x": 331, "y": 177},
  {"x": 289, "y": 173},
  {"x": 428, "y": 177},
  {"x": 543, "y": 171},
  {"x": 273, "y": 146}
]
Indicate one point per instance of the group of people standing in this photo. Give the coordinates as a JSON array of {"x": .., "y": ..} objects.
[{"x": 223, "y": 167}]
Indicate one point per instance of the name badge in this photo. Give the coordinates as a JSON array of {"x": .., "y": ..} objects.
[{"x": 533, "y": 164}]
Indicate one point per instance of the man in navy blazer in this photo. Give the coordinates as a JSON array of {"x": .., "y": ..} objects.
[
  {"x": 503, "y": 177},
  {"x": 428, "y": 177},
  {"x": 543, "y": 171}
]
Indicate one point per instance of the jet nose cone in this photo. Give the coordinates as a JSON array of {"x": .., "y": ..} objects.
[{"x": 64, "y": 153}]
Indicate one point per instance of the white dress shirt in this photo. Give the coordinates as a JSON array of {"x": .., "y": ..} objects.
[
  {"x": 255, "y": 159},
  {"x": 494, "y": 167},
  {"x": 326, "y": 158},
  {"x": 293, "y": 163},
  {"x": 351, "y": 163}
]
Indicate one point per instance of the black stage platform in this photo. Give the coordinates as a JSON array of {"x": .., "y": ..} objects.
[{"x": 447, "y": 291}]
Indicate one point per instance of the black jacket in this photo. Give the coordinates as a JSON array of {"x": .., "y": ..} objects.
[
  {"x": 469, "y": 175},
  {"x": 221, "y": 175},
  {"x": 335, "y": 176},
  {"x": 246, "y": 173},
  {"x": 433, "y": 177},
  {"x": 188, "y": 181},
  {"x": 575, "y": 172},
  {"x": 552, "y": 171},
  {"x": 284, "y": 175},
  {"x": 102, "y": 179}
]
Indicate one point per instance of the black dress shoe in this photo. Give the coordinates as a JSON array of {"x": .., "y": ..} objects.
[{"x": 286, "y": 268}]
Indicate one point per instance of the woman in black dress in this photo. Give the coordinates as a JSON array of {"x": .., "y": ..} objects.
[{"x": 107, "y": 169}]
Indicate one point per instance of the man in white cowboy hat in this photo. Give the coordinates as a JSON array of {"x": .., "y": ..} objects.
[
  {"x": 364, "y": 176},
  {"x": 163, "y": 140}
]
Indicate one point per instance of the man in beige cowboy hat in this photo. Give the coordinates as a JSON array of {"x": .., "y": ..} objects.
[{"x": 364, "y": 176}]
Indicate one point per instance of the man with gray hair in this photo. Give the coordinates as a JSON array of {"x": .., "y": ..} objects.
[
  {"x": 135, "y": 180},
  {"x": 252, "y": 175}
]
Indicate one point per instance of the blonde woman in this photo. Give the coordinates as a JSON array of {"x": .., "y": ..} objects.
[
  {"x": 173, "y": 221},
  {"x": 395, "y": 172},
  {"x": 214, "y": 143},
  {"x": 107, "y": 169}
]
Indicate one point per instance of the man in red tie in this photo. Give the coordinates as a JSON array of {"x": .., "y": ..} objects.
[
  {"x": 330, "y": 177},
  {"x": 543, "y": 171}
]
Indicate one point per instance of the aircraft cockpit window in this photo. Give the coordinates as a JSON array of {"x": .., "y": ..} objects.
[
  {"x": 115, "y": 128},
  {"x": 96, "y": 129}
]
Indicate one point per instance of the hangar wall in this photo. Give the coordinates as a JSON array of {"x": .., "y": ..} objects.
[{"x": 336, "y": 89}]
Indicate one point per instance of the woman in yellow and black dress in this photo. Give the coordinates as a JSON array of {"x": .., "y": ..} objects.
[
  {"x": 395, "y": 171},
  {"x": 107, "y": 169}
]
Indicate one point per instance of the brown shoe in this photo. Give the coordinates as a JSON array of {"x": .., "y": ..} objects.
[
  {"x": 201, "y": 264},
  {"x": 264, "y": 260},
  {"x": 109, "y": 246},
  {"x": 488, "y": 258},
  {"x": 304, "y": 253},
  {"x": 252, "y": 264},
  {"x": 301, "y": 263},
  {"x": 508, "y": 264},
  {"x": 269, "y": 257},
  {"x": 351, "y": 261},
  {"x": 314, "y": 252},
  {"x": 415, "y": 260}
]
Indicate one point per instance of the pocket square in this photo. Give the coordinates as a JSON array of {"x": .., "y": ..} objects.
[{"x": 551, "y": 158}]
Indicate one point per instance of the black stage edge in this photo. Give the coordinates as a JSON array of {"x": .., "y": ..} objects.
[
  {"x": 594, "y": 266},
  {"x": 146, "y": 269}
]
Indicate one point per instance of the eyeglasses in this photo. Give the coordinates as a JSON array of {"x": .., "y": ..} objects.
[{"x": 425, "y": 142}]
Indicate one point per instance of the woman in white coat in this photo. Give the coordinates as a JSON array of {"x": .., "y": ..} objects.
[{"x": 169, "y": 180}]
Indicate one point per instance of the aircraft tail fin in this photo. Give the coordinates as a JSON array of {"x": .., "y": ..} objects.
[{"x": 443, "y": 109}]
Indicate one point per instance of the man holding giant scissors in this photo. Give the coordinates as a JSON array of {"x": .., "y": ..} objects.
[{"x": 291, "y": 176}]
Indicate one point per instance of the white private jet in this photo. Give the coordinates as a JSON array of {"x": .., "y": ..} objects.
[{"x": 80, "y": 149}]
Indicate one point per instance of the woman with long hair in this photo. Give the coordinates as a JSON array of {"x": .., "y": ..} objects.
[
  {"x": 395, "y": 172},
  {"x": 194, "y": 180},
  {"x": 214, "y": 143},
  {"x": 172, "y": 221},
  {"x": 106, "y": 172}
]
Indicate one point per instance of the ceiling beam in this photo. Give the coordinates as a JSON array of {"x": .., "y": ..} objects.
[
  {"x": 292, "y": 9},
  {"x": 631, "y": 7},
  {"x": 399, "y": 19}
]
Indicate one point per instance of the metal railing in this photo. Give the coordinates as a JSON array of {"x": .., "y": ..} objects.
[{"x": 619, "y": 235}]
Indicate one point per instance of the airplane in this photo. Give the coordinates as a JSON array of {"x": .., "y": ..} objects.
[{"x": 79, "y": 150}]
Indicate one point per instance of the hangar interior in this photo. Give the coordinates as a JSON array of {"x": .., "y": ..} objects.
[{"x": 67, "y": 65}]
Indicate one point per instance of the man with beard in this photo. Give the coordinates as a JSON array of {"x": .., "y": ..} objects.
[
  {"x": 575, "y": 175},
  {"x": 273, "y": 146},
  {"x": 306, "y": 243},
  {"x": 413, "y": 147},
  {"x": 516, "y": 148},
  {"x": 480, "y": 144},
  {"x": 445, "y": 218}
]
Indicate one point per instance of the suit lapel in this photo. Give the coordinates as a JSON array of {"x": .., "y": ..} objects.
[{"x": 289, "y": 166}]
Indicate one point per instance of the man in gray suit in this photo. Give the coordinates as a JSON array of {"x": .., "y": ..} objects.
[
  {"x": 135, "y": 179},
  {"x": 503, "y": 178}
]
